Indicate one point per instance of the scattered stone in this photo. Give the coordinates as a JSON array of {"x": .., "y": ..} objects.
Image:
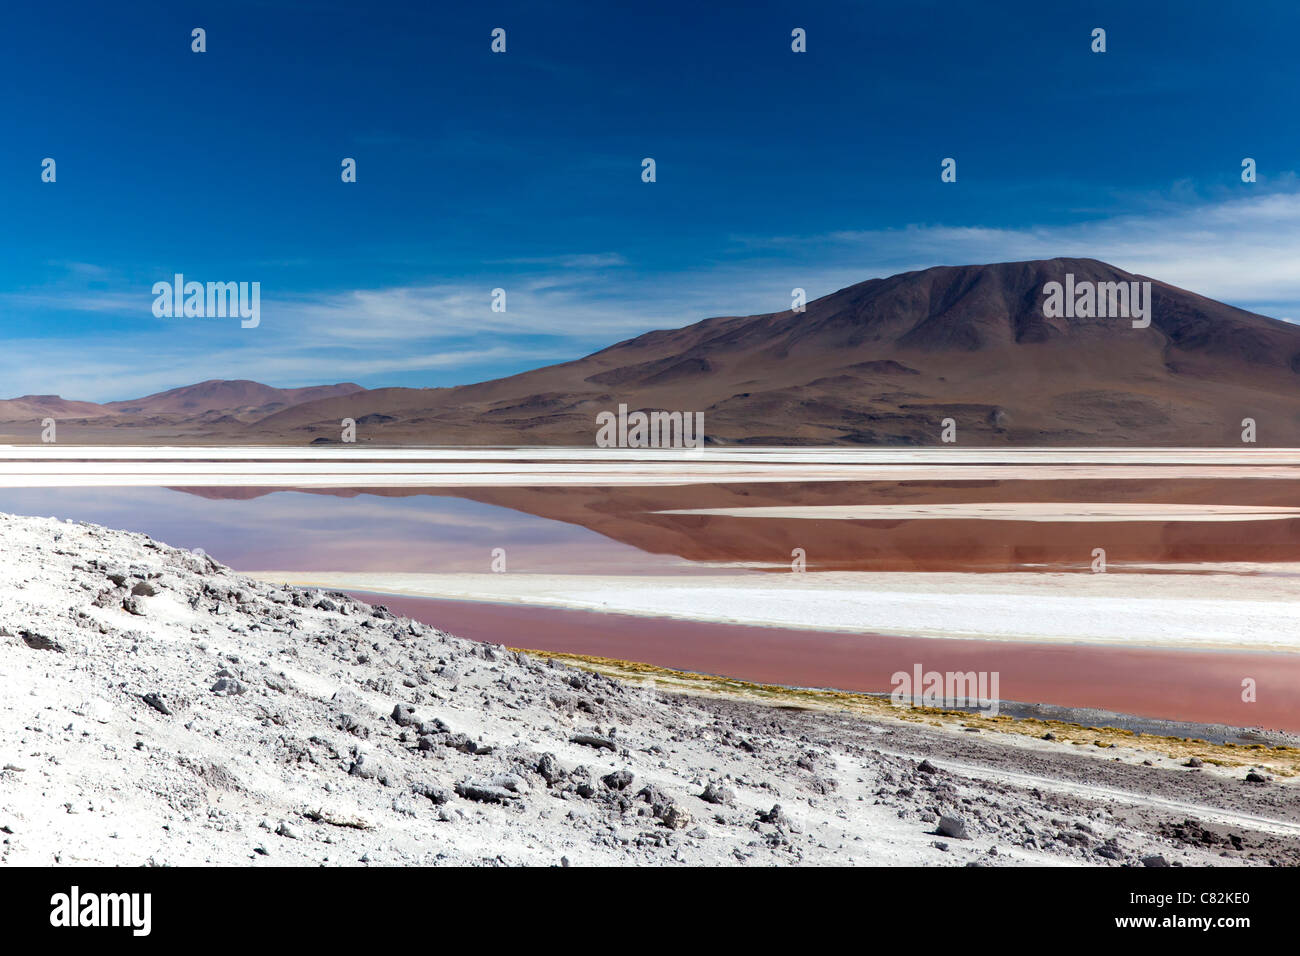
[
  {"x": 39, "y": 642},
  {"x": 1110, "y": 851},
  {"x": 485, "y": 792},
  {"x": 461, "y": 742},
  {"x": 675, "y": 818},
  {"x": 438, "y": 795},
  {"x": 718, "y": 793},
  {"x": 550, "y": 770},
  {"x": 336, "y": 820},
  {"x": 368, "y": 770},
  {"x": 618, "y": 780},
  {"x": 953, "y": 826},
  {"x": 228, "y": 687},
  {"x": 432, "y": 727},
  {"x": 155, "y": 700}
]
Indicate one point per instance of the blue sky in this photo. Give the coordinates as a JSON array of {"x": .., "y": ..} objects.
[{"x": 522, "y": 171}]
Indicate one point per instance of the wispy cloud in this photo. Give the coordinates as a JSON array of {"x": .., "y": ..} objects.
[{"x": 1240, "y": 249}]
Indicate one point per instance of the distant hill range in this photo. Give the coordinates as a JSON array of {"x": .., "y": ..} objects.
[
  {"x": 207, "y": 403},
  {"x": 881, "y": 362}
]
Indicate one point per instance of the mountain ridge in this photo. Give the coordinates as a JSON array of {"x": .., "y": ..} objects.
[
  {"x": 884, "y": 361},
  {"x": 213, "y": 397}
]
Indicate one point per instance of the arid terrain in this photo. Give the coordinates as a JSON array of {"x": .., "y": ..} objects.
[
  {"x": 161, "y": 709},
  {"x": 881, "y": 362}
]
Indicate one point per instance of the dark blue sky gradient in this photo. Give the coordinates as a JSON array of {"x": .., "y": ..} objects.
[{"x": 523, "y": 170}]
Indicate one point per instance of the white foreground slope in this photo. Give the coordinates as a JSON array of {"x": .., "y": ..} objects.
[{"x": 280, "y": 746}]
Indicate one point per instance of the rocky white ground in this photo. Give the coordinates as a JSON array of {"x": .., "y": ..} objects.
[{"x": 157, "y": 708}]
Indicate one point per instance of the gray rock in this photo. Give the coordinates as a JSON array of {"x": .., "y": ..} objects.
[
  {"x": 1110, "y": 851},
  {"x": 286, "y": 830},
  {"x": 368, "y": 770},
  {"x": 228, "y": 687},
  {"x": 482, "y": 792},
  {"x": 675, "y": 818},
  {"x": 439, "y": 795},
  {"x": 403, "y": 715},
  {"x": 718, "y": 793},
  {"x": 655, "y": 797},
  {"x": 39, "y": 642},
  {"x": 155, "y": 700},
  {"x": 464, "y": 743},
  {"x": 550, "y": 769},
  {"x": 823, "y": 785},
  {"x": 509, "y": 781},
  {"x": 618, "y": 780},
  {"x": 953, "y": 826}
]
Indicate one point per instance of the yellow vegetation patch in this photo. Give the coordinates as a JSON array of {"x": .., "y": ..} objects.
[{"x": 1277, "y": 759}]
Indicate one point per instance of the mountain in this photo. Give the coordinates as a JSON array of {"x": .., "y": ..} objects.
[
  {"x": 885, "y": 361},
  {"x": 232, "y": 397},
  {"x": 46, "y": 406},
  {"x": 214, "y": 402},
  {"x": 882, "y": 362}
]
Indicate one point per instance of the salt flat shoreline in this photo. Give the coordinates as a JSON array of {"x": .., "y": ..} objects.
[
  {"x": 351, "y": 466},
  {"x": 1201, "y": 611},
  {"x": 161, "y": 709}
]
